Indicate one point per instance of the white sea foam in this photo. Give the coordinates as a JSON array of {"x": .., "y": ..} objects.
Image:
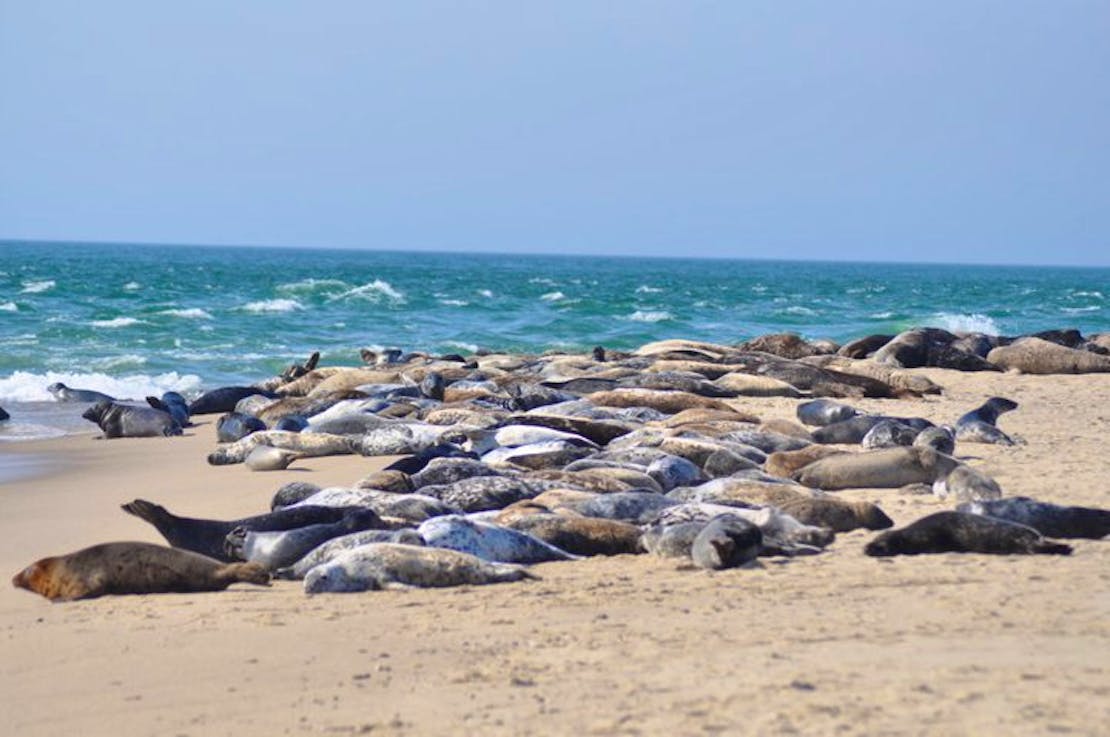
[
  {"x": 14, "y": 431},
  {"x": 553, "y": 297},
  {"x": 973, "y": 323},
  {"x": 310, "y": 285},
  {"x": 485, "y": 293},
  {"x": 882, "y": 316},
  {"x": 24, "y": 386},
  {"x": 116, "y": 322},
  {"x": 128, "y": 360},
  {"x": 541, "y": 280},
  {"x": 650, "y": 316},
  {"x": 454, "y": 302},
  {"x": 9, "y": 307},
  {"x": 1096, "y": 295},
  {"x": 1079, "y": 310},
  {"x": 460, "y": 344},
  {"x": 373, "y": 291},
  {"x": 645, "y": 289},
  {"x": 192, "y": 313},
  {"x": 132, "y": 286},
  {"x": 35, "y": 287},
  {"x": 799, "y": 310},
  {"x": 273, "y": 305}
]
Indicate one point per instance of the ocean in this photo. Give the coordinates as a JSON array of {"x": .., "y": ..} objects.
[{"x": 132, "y": 320}]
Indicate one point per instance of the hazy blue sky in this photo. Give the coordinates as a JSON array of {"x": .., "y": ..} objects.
[{"x": 925, "y": 131}]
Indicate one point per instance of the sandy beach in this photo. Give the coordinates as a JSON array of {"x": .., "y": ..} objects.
[{"x": 832, "y": 644}]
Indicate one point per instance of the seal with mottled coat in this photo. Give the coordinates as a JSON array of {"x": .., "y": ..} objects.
[
  {"x": 978, "y": 426},
  {"x": 132, "y": 568},
  {"x": 1051, "y": 520},
  {"x": 389, "y": 565},
  {"x": 726, "y": 541},
  {"x": 63, "y": 393},
  {"x": 488, "y": 541},
  {"x": 889, "y": 468},
  {"x": 281, "y": 548},
  {"x": 328, "y": 550},
  {"x": 958, "y": 532}
]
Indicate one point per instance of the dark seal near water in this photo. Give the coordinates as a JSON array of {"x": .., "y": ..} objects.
[
  {"x": 1051, "y": 520},
  {"x": 958, "y": 532},
  {"x": 125, "y": 421},
  {"x": 132, "y": 568}
]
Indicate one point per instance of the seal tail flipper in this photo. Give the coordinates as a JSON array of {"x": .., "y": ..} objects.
[
  {"x": 1047, "y": 547},
  {"x": 157, "y": 403},
  {"x": 148, "y": 511},
  {"x": 246, "y": 573}
]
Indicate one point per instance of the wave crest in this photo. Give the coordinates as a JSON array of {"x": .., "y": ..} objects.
[
  {"x": 972, "y": 323},
  {"x": 35, "y": 287},
  {"x": 25, "y": 386},
  {"x": 273, "y": 305}
]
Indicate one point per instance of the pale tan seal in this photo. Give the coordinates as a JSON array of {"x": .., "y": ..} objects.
[
  {"x": 668, "y": 402},
  {"x": 1037, "y": 356},
  {"x": 581, "y": 535},
  {"x": 785, "y": 462},
  {"x": 132, "y": 568},
  {"x": 888, "y": 468}
]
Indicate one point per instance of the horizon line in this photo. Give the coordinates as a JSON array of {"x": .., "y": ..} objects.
[{"x": 548, "y": 254}]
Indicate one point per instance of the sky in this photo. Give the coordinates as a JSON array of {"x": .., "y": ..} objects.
[{"x": 969, "y": 131}]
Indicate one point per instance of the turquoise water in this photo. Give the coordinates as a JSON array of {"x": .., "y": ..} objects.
[{"x": 132, "y": 320}]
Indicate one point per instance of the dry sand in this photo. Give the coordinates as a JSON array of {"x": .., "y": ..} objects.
[{"x": 833, "y": 644}]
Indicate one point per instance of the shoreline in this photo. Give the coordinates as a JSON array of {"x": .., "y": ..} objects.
[{"x": 838, "y": 642}]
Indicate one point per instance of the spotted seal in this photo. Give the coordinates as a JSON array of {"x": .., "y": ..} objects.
[
  {"x": 726, "y": 541},
  {"x": 125, "y": 421},
  {"x": 307, "y": 444},
  {"x": 959, "y": 532},
  {"x": 889, "y": 434},
  {"x": 1051, "y": 520},
  {"x": 328, "y": 550},
  {"x": 132, "y": 568},
  {"x": 488, "y": 541},
  {"x": 389, "y": 565}
]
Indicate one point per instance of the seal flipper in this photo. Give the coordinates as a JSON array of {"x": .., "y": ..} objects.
[
  {"x": 1047, "y": 547},
  {"x": 245, "y": 573},
  {"x": 157, "y": 403}
]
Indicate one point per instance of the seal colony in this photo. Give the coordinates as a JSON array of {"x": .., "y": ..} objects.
[{"x": 511, "y": 460}]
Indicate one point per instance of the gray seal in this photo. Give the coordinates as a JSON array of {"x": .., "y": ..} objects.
[
  {"x": 727, "y": 541},
  {"x": 279, "y": 549},
  {"x": 671, "y": 540},
  {"x": 487, "y": 541},
  {"x": 889, "y": 434},
  {"x": 236, "y": 426},
  {"x": 958, "y": 532},
  {"x": 63, "y": 393},
  {"x": 941, "y": 439},
  {"x": 390, "y": 566},
  {"x": 1051, "y": 520},
  {"x": 821, "y": 412},
  {"x": 978, "y": 426},
  {"x": 207, "y": 536},
  {"x": 330, "y": 549},
  {"x": 125, "y": 421}
]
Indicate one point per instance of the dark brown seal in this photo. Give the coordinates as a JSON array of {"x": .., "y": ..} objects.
[{"x": 132, "y": 568}]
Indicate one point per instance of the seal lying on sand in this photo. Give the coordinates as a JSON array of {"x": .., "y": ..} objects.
[
  {"x": 958, "y": 532},
  {"x": 132, "y": 568},
  {"x": 1051, "y": 520},
  {"x": 978, "y": 426},
  {"x": 889, "y": 468},
  {"x": 207, "y": 536},
  {"x": 389, "y": 565},
  {"x": 726, "y": 542},
  {"x": 125, "y": 421}
]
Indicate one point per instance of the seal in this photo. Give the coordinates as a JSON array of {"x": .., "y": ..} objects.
[
  {"x": 265, "y": 458},
  {"x": 236, "y": 426},
  {"x": 726, "y": 541},
  {"x": 978, "y": 425},
  {"x": 417, "y": 462},
  {"x": 853, "y": 431},
  {"x": 671, "y": 540},
  {"x": 581, "y": 535},
  {"x": 821, "y": 412},
  {"x": 132, "y": 568},
  {"x": 63, "y": 393},
  {"x": 174, "y": 405},
  {"x": 487, "y": 541},
  {"x": 125, "y": 421},
  {"x": 888, "y": 468},
  {"x": 224, "y": 399},
  {"x": 958, "y": 532},
  {"x": 966, "y": 484},
  {"x": 486, "y": 493},
  {"x": 326, "y": 551},
  {"x": 292, "y": 493},
  {"x": 543, "y": 455},
  {"x": 889, "y": 434},
  {"x": 941, "y": 439},
  {"x": 279, "y": 549},
  {"x": 667, "y": 402},
  {"x": 389, "y": 566},
  {"x": 785, "y": 462},
  {"x": 307, "y": 444},
  {"x": 206, "y": 536},
  {"x": 1051, "y": 520},
  {"x": 782, "y": 534},
  {"x": 1037, "y": 356}
]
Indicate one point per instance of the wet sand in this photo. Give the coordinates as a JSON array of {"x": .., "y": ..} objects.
[{"x": 833, "y": 644}]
